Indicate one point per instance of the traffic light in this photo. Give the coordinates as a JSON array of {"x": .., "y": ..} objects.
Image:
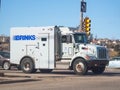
[{"x": 87, "y": 25}]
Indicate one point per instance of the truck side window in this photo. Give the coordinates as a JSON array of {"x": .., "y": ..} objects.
[
  {"x": 66, "y": 39},
  {"x": 43, "y": 39},
  {"x": 69, "y": 39}
]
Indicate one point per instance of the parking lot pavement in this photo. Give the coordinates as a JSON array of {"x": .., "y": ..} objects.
[
  {"x": 13, "y": 76},
  {"x": 59, "y": 80}
]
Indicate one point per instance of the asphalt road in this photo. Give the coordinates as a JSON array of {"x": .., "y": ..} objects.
[{"x": 60, "y": 80}]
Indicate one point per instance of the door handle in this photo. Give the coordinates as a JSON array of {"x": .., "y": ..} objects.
[{"x": 37, "y": 45}]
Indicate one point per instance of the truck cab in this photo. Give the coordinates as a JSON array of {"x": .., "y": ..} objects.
[
  {"x": 70, "y": 44},
  {"x": 82, "y": 55}
]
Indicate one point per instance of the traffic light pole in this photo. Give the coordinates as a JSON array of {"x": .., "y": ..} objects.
[
  {"x": 81, "y": 20},
  {"x": 85, "y": 23}
]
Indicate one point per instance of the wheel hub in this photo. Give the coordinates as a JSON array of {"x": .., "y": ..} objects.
[
  {"x": 79, "y": 67},
  {"x": 6, "y": 65},
  {"x": 27, "y": 66}
]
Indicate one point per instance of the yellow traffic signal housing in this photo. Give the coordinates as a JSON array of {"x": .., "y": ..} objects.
[
  {"x": 88, "y": 33},
  {"x": 87, "y": 25}
]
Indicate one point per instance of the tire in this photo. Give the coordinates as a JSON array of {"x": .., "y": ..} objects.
[
  {"x": 46, "y": 70},
  {"x": 98, "y": 70},
  {"x": 6, "y": 65},
  {"x": 80, "y": 67},
  {"x": 27, "y": 65}
]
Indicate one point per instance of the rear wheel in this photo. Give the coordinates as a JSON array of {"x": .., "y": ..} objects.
[
  {"x": 80, "y": 67},
  {"x": 98, "y": 70},
  {"x": 27, "y": 65},
  {"x": 6, "y": 65},
  {"x": 46, "y": 70}
]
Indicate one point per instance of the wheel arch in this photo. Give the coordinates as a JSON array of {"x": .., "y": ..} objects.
[{"x": 28, "y": 57}]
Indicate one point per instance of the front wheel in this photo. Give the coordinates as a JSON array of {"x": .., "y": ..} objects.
[
  {"x": 6, "y": 65},
  {"x": 80, "y": 67},
  {"x": 27, "y": 65},
  {"x": 98, "y": 70}
]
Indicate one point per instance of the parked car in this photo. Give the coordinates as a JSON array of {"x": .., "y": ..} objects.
[
  {"x": 5, "y": 60},
  {"x": 114, "y": 63}
]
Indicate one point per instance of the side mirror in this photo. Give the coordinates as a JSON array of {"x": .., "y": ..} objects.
[{"x": 90, "y": 38}]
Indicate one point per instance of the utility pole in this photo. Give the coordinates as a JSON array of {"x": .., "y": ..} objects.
[
  {"x": 81, "y": 19},
  {"x": 0, "y": 4},
  {"x": 83, "y": 10}
]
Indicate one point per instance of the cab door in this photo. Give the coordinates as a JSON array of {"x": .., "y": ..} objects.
[{"x": 67, "y": 47}]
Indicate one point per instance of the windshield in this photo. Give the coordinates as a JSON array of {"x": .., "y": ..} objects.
[{"x": 80, "y": 38}]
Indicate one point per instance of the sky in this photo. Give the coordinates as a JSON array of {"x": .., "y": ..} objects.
[{"x": 104, "y": 15}]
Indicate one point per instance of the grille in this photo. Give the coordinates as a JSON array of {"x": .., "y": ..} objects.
[{"x": 102, "y": 53}]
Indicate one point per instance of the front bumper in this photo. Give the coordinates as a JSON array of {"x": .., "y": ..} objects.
[{"x": 97, "y": 63}]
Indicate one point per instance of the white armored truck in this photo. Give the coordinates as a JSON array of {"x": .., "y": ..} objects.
[{"x": 35, "y": 48}]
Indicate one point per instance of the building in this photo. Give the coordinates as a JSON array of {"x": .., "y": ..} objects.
[{"x": 4, "y": 42}]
